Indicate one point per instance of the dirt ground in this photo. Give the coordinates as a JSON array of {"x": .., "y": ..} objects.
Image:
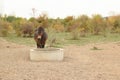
[{"x": 80, "y": 63}]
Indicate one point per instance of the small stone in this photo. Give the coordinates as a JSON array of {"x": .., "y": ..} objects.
[{"x": 8, "y": 46}]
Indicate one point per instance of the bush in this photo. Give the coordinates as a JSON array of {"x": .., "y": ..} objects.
[
  {"x": 4, "y": 32},
  {"x": 58, "y": 27},
  {"x": 27, "y": 29},
  {"x": 5, "y": 28},
  {"x": 75, "y": 34},
  {"x": 51, "y": 37}
]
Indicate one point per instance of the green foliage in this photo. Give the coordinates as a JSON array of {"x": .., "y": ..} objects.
[{"x": 10, "y": 18}]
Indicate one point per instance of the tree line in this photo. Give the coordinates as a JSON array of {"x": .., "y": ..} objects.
[{"x": 78, "y": 26}]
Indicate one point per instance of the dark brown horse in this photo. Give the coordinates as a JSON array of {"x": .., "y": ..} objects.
[{"x": 40, "y": 37}]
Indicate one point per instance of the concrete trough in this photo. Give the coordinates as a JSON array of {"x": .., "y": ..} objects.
[{"x": 47, "y": 54}]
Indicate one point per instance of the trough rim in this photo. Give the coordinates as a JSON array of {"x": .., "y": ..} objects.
[{"x": 46, "y": 49}]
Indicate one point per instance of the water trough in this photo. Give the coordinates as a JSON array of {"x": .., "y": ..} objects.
[{"x": 47, "y": 54}]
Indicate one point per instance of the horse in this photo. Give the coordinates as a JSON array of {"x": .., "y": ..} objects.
[{"x": 40, "y": 37}]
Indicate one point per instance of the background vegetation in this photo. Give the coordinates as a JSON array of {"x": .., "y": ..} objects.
[{"x": 70, "y": 30}]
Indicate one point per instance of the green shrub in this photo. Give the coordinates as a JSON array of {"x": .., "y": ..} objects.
[{"x": 75, "y": 34}]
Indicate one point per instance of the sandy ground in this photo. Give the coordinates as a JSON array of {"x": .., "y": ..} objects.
[{"x": 80, "y": 63}]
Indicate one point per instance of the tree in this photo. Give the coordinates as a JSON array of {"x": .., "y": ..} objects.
[
  {"x": 43, "y": 20},
  {"x": 68, "y": 22},
  {"x": 34, "y": 22},
  {"x": 57, "y": 25},
  {"x": 82, "y": 22},
  {"x": 5, "y": 28},
  {"x": 10, "y": 18},
  {"x": 27, "y": 29},
  {"x": 116, "y": 25},
  {"x": 97, "y": 24}
]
